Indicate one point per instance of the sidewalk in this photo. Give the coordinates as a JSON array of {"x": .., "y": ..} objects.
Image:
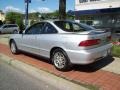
[
  {"x": 91, "y": 74},
  {"x": 114, "y": 66},
  {"x": 62, "y": 84}
]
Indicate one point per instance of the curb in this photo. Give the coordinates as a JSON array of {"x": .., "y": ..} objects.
[{"x": 60, "y": 83}]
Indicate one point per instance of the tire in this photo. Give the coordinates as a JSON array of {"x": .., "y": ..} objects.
[
  {"x": 0, "y": 32},
  {"x": 13, "y": 47},
  {"x": 60, "y": 60}
]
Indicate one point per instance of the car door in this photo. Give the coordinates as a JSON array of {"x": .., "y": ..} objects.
[
  {"x": 29, "y": 38},
  {"x": 12, "y": 28},
  {"x": 9, "y": 28},
  {"x": 5, "y": 29},
  {"x": 45, "y": 39}
]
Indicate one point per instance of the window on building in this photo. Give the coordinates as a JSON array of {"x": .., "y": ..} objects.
[
  {"x": 82, "y": 1},
  {"x": 89, "y": 22},
  {"x": 94, "y": 0}
]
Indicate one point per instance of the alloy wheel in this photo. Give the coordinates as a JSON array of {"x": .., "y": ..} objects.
[
  {"x": 59, "y": 60},
  {"x": 13, "y": 47}
]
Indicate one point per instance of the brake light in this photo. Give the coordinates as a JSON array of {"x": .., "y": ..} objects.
[
  {"x": 90, "y": 42},
  {"x": 109, "y": 38}
]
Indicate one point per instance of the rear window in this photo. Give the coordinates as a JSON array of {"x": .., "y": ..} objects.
[{"x": 72, "y": 26}]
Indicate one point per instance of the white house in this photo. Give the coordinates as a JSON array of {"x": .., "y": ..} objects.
[
  {"x": 99, "y": 13},
  {"x": 2, "y": 16}
]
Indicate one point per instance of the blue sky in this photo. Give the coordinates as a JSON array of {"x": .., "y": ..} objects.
[{"x": 35, "y": 5}]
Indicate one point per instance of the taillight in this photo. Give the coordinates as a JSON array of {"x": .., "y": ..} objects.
[
  {"x": 89, "y": 42},
  {"x": 109, "y": 38}
]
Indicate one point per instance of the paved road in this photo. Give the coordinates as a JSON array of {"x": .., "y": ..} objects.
[
  {"x": 5, "y": 35},
  {"x": 4, "y": 38},
  {"x": 13, "y": 79}
]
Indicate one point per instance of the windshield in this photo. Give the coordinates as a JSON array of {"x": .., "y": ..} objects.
[{"x": 69, "y": 26}]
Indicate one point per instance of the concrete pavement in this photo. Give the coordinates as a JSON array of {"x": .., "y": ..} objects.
[
  {"x": 50, "y": 79},
  {"x": 114, "y": 66},
  {"x": 4, "y": 38},
  {"x": 14, "y": 79}
]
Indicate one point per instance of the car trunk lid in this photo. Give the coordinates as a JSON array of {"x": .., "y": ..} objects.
[{"x": 95, "y": 38}]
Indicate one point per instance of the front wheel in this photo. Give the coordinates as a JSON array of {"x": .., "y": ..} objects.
[
  {"x": 60, "y": 60},
  {"x": 13, "y": 47}
]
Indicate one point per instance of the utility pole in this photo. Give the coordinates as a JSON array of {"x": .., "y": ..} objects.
[
  {"x": 26, "y": 12},
  {"x": 62, "y": 9}
]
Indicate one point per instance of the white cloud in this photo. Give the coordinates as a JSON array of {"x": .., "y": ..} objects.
[
  {"x": 41, "y": 10},
  {"x": 13, "y": 9},
  {"x": 44, "y": 10},
  {"x": 32, "y": 11}
]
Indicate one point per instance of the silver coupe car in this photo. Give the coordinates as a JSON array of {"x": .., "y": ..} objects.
[{"x": 63, "y": 42}]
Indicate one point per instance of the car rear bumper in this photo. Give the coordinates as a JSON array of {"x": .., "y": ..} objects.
[{"x": 89, "y": 56}]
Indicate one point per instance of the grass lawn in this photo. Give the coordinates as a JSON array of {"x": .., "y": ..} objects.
[{"x": 116, "y": 51}]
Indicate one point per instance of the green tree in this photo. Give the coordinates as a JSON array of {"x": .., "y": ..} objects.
[
  {"x": 15, "y": 18},
  {"x": 55, "y": 14},
  {"x": 32, "y": 22},
  {"x": 52, "y": 15},
  {"x": 34, "y": 16},
  {"x": 10, "y": 17},
  {"x": 20, "y": 23}
]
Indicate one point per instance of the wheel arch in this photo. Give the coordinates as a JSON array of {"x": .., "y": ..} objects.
[
  {"x": 69, "y": 64},
  {"x": 54, "y": 48},
  {"x": 10, "y": 41},
  {"x": 13, "y": 41}
]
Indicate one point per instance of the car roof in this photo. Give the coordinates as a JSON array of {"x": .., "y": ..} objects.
[
  {"x": 57, "y": 20},
  {"x": 10, "y": 24}
]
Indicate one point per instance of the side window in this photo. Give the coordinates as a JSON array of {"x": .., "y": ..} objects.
[
  {"x": 67, "y": 26},
  {"x": 77, "y": 27},
  {"x": 9, "y": 26},
  {"x": 49, "y": 29},
  {"x": 13, "y": 26},
  {"x": 6, "y": 26},
  {"x": 35, "y": 29}
]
